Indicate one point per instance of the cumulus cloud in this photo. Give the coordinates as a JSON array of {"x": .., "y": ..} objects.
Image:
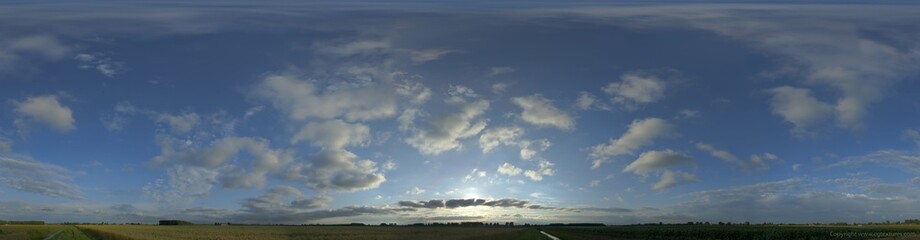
[
  {"x": 670, "y": 179},
  {"x": 282, "y": 200},
  {"x": 541, "y": 112},
  {"x": 45, "y": 110},
  {"x": 654, "y": 161},
  {"x": 442, "y": 133},
  {"x": 545, "y": 169},
  {"x": 508, "y": 169},
  {"x": 530, "y": 148},
  {"x": 32, "y": 176},
  {"x": 302, "y": 99},
  {"x": 223, "y": 154},
  {"x": 466, "y": 202},
  {"x": 181, "y": 123},
  {"x": 799, "y": 107},
  {"x": 635, "y": 89},
  {"x": 640, "y": 133},
  {"x": 495, "y": 137},
  {"x": 336, "y": 170},
  {"x": 586, "y": 101},
  {"x": 333, "y": 134}
]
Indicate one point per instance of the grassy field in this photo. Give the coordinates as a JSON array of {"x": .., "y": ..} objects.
[
  {"x": 209, "y": 232},
  {"x": 41, "y": 232},
  {"x": 736, "y": 232}
]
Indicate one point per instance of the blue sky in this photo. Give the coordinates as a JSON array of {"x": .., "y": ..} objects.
[{"x": 332, "y": 112}]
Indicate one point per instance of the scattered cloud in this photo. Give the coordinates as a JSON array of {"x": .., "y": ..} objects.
[
  {"x": 302, "y": 99},
  {"x": 508, "y": 169},
  {"x": 106, "y": 66},
  {"x": 32, "y": 176},
  {"x": 913, "y": 135},
  {"x": 181, "y": 123},
  {"x": 495, "y": 137},
  {"x": 45, "y": 110},
  {"x": 468, "y": 202},
  {"x": 670, "y": 179},
  {"x": 799, "y": 107},
  {"x": 442, "y": 133},
  {"x": 907, "y": 161},
  {"x": 541, "y": 112},
  {"x": 636, "y": 89},
  {"x": 415, "y": 191},
  {"x": 545, "y": 169},
  {"x": 495, "y": 71},
  {"x": 222, "y": 155},
  {"x": 14, "y": 50},
  {"x": 333, "y": 134},
  {"x": 335, "y": 170},
  {"x": 654, "y": 161},
  {"x": 640, "y": 133}
]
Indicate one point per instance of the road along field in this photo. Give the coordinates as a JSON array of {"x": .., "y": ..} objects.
[
  {"x": 691, "y": 232},
  {"x": 210, "y": 232},
  {"x": 41, "y": 232}
]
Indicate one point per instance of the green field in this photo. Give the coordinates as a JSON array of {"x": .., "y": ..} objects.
[
  {"x": 691, "y": 232},
  {"x": 145, "y": 232}
]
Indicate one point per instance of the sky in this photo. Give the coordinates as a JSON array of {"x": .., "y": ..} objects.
[{"x": 405, "y": 112}]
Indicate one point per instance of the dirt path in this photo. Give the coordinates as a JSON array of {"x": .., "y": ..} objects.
[
  {"x": 550, "y": 236},
  {"x": 49, "y": 237}
]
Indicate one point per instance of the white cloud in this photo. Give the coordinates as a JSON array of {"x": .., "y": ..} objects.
[
  {"x": 545, "y": 169},
  {"x": 541, "y": 112},
  {"x": 443, "y": 133},
  {"x": 640, "y": 133},
  {"x": 282, "y": 200},
  {"x": 180, "y": 124},
  {"x": 495, "y": 137},
  {"x": 799, "y": 107},
  {"x": 223, "y": 155},
  {"x": 460, "y": 90},
  {"x": 587, "y": 101},
  {"x": 333, "y": 134},
  {"x": 500, "y": 87},
  {"x": 495, "y": 71},
  {"x": 913, "y": 135},
  {"x": 508, "y": 169},
  {"x": 415, "y": 191},
  {"x": 32, "y": 176},
  {"x": 336, "y": 170},
  {"x": 718, "y": 153},
  {"x": 183, "y": 185},
  {"x": 906, "y": 161},
  {"x": 44, "y": 109},
  {"x": 670, "y": 179},
  {"x": 425, "y": 55},
  {"x": 636, "y": 89},
  {"x": 304, "y": 99},
  {"x": 99, "y": 62},
  {"x": 14, "y": 50},
  {"x": 654, "y": 161},
  {"x": 530, "y": 148},
  {"x": 796, "y": 166},
  {"x": 760, "y": 161},
  {"x": 595, "y": 183}
]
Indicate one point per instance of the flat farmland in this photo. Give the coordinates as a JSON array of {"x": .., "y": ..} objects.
[
  {"x": 691, "y": 232},
  {"x": 41, "y": 232},
  {"x": 210, "y": 232}
]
